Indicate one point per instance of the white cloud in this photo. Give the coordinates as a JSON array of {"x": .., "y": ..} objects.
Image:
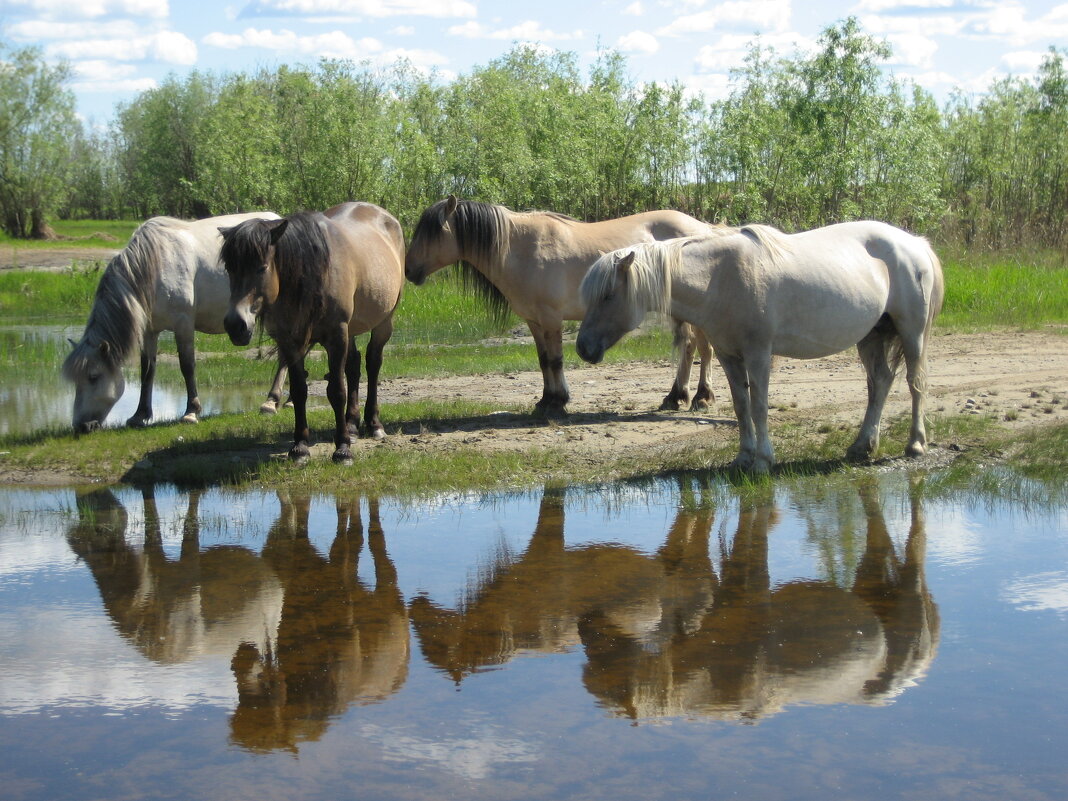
[
  {"x": 730, "y": 50},
  {"x": 756, "y": 15},
  {"x": 44, "y": 30},
  {"x": 403, "y": 30},
  {"x": 90, "y": 9},
  {"x": 912, "y": 49},
  {"x": 335, "y": 44},
  {"x": 877, "y": 6},
  {"x": 360, "y": 8},
  {"x": 638, "y": 42},
  {"x": 634, "y": 10},
  {"x": 169, "y": 47},
  {"x": 1039, "y": 593},
  {"x": 711, "y": 86},
  {"x": 101, "y": 70},
  {"x": 529, "y": 30},
  {"x": 1023, "y": 61}
]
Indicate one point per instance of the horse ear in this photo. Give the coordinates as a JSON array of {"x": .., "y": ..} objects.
[
  {"x": 226, "y": 231},
  {"x": 277, "y": 228},
  {"x": 73, "y": 344},
  {"x": 450, "y": 205},
  {"x": 104, "y": 347},
  {"x": 623, "y": 265}
]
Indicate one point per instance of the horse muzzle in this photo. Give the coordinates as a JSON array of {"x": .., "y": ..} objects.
[
  {"x": 237, "y": 327},
  {"x": 587, "y": 351},
  {"x": 87, "y": 426}
]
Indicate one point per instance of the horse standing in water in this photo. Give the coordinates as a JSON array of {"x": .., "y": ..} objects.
[
  {"x": 321, "y": 277},
  {"x": 534, "y": 262},
  {"x": 757, "y": 293},
  {"x": 168, "y": 278}
]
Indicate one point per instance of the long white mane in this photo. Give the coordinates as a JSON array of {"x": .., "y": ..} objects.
[
  {"x": 126, "y": 294},
  {"x": 648, "y": 284}
]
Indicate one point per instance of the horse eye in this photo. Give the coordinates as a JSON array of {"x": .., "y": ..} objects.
[{"x": 93, "y": 378}]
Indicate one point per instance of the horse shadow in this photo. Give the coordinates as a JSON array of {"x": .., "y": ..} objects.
[{"x": 669, "y": 634}]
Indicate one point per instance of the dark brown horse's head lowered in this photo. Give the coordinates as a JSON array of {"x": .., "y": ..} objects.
[{"x": 248, "y": 252}]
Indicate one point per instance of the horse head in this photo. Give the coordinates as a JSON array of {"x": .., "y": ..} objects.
[
  {"x": 95, "y": 369},
  {"x": 610, "y": 308},
  {"x": 434, "y": 243},
  {"x": 248, "y": 253}
]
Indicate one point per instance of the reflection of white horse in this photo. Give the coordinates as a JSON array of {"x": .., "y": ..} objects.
[
  {"x": 173, "y": 610},
  {"x": 757, "y": 293},
  {"x": 168, "y": 278}
]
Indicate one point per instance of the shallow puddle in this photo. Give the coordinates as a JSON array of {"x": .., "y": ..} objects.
[{"x": 828, "y": 638}]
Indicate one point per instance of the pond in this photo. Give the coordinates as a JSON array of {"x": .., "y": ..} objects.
[
  {"x": 35, "y": 396},
  {"x": 843, "y": 638}
]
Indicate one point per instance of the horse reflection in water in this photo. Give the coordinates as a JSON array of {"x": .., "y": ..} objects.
[
  {"x": 339, "y": 642},
  {"x": 305, "y": 637},
  {"x": 173, "y": 610},
  {"x": 667, "y": 635}
]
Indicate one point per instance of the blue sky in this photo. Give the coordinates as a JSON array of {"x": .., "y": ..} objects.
[{"x": 121, "y": 47}]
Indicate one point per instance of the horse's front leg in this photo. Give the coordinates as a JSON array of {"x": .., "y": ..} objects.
[
  {"x": 149, "y": 346},
  {"x": 758, "y": 368},
  {"x": 704, "y": 396},
  {"x": 555, "y": 393},
  {"x": 379, "y": 337},
  {"x": 751, "y": 456},
  {"x": 337, "y": 353},
  {"x": 298, "y": 392},
  {"x": 188, "y": 363}
]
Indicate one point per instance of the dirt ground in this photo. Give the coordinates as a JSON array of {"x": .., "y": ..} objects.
[
  {"x": 55, "y": 259},
  {"x": 1019, "y": 378}
]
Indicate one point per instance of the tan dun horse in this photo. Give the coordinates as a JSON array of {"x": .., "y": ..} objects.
[
  {"x": 757, "y": 293},
  {"x": 533, "y": 263},
  {"x": 320, "y": 277},
  {"x": 168, "y": 278}
]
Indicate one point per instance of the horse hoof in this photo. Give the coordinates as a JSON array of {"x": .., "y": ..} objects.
[
  {"x": 190, "y": 418},
  {"x": 299, "y": 454},
  {"x": 342, "y": 457},
  {"x": 915, "y": 449},
  {"x": 269, "y": 407},
  {"x": 859, "y": 453},
  {"x": 550, "y": 411},
  {"x": 378, "y": 433},
  {"x": 670, "y": 405},
  {"x": 700, "y": 405},
  {"x": 137, "y": 422}
]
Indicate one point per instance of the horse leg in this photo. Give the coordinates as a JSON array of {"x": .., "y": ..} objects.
[
  {"x": 379, "y": 337},
  {"x": 738, "y": 382},
  {"x": 872, "y": 352},
  {"x": 337, "y": 353},
  {"x": 916, "y": 375},
  {"x": 188, "y": 363},
  {"x": 685, "y": 344},
  {"x": 149, "y": 345},
  {"x": 704, "y": 397},
  {"x": 274, "y": 394},
  {"x": 555, "y": 394},
  {"x": 352, "y": 376},
  {"x": 298, "y": 392},
  {"x": 758, "y": 370}
]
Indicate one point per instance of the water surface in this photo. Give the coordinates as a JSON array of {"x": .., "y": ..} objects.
[{"x": 845, "y": 638}]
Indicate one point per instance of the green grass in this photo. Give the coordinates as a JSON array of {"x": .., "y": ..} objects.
[
  {"x": 1015, "y": 290},
  {"x": 90, "y": 234}
]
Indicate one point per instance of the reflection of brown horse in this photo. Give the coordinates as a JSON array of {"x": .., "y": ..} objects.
[
  {"x": 760, "y": 648},
  {"x": 203, "y": 602},
  {"x": 339, "y": 642},
  {"x": 664, "y": 635},
  {"x": 535, "y": 602}
]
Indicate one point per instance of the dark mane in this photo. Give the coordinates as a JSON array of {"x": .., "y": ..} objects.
[
  {"x": 482, "y": 232},
  {"x": 301, "y": 258},
  {"x": 125, "y": 296}
]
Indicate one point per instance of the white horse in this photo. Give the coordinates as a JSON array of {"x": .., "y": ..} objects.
[
  {"x": 757, "y": 293},
  {"x": 168, "y": 278}
]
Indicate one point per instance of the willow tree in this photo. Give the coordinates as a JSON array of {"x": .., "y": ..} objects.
[{"x": 37, "y": 125}]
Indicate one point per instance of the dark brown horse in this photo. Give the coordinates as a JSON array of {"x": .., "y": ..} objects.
[{"x": 320, "y": 278}]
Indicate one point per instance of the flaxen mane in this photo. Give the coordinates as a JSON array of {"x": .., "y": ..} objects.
[{"x": 122, "y": 306}]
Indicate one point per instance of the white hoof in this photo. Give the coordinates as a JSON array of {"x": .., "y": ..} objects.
[
  {"x": 190, "y": 418},
  {"x": 269, "y": 407}
]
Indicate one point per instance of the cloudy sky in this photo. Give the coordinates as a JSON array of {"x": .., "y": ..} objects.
[{"x": 121, "y": 47}]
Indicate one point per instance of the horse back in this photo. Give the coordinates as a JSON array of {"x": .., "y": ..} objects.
[{"x": 367, "y": 248}]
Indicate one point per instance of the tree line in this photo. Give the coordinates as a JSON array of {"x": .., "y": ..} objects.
[{"x": 800, "y": 141}]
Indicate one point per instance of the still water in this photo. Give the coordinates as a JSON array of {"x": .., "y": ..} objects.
[
  {"x": 846, "y": 638},
  {"x": 35, "y": 396}
]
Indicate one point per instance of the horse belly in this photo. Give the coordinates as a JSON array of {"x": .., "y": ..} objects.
[{"x": 814, "y": 331}]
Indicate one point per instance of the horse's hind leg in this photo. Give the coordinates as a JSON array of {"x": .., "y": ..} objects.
[
  {"x": 704, "y": 396},
  {"x": 188, "y": 364},
  {"x": 916, "y": 375},
  {"x": 149, "y": 345},
  {"x": 352, "y": 377},
  {"x": 379, "y": 337},
  {"x": 873, "y": 355},
  {"x": 337, "y": 354}
]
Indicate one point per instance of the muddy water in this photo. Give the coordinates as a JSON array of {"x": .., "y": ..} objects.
[
  {"x": 845, "y": 638},
  {"x": 34, "y": 396}
]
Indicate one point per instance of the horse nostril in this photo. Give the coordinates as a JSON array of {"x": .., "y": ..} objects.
[{"x": 87, "y": 427}]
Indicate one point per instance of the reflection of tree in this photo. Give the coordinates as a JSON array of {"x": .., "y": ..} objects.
[
  {"x": 664, "y": 635},
  {"x": 339, "y": 641},
  {"x": 174, "y": 609}
]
